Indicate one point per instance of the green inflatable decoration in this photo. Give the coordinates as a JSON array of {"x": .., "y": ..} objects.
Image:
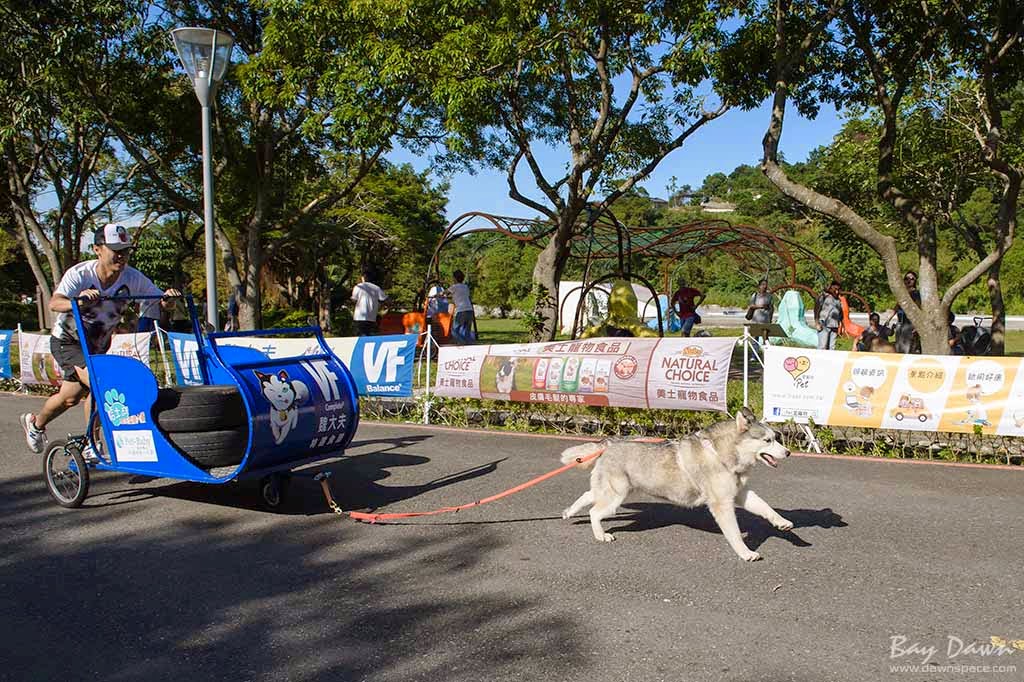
[{"x": 622, "y": 319}]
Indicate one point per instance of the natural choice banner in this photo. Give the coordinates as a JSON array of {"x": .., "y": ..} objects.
[
  {"x": 890, "y": 391},
  {"x": 679, "y": 373}
]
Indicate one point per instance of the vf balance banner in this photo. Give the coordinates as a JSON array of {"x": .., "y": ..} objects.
[
  {"x": 679, "y": 373},
  {"x": 380, "y": 365},
  {"x": 890, "y": 391}
]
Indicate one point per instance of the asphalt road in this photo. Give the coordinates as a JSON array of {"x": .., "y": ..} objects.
[{"x": 173, "y": 581}]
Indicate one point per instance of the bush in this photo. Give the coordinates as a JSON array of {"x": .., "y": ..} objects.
[{"x": 13, "y": 312}]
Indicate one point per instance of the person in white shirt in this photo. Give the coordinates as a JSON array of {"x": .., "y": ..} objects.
[
  {"x": 463, "y": 326},
  {"x": 89, "y": 281},
  {"x": 367, "y": 297}
]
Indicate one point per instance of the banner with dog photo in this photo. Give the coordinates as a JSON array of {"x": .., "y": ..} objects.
[
  {"x": 38, "y": 365},
  {"x": 131, "y": 346},
  {"x": 889, "y": 391},
  {"x": 677, "y": 373}
]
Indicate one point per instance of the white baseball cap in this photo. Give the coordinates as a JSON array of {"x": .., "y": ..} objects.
[{"x": 113, "y": 235}]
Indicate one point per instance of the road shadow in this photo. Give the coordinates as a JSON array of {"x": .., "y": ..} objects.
[
  {"x": 174, "y": 590},
  {"x": 651, "y": 515}
]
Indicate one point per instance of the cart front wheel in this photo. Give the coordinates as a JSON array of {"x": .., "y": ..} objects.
[
  {"x": 66, "y": 473},
  {"x": 273, "y": 490}
]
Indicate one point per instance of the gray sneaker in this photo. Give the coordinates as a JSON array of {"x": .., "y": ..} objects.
[{"x": 36, "y": 438}]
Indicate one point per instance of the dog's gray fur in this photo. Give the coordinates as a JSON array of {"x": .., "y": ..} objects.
[{"x": 708, "y": 467}]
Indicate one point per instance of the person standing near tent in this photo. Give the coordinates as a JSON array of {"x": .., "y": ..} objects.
[
  {"x": 368, "y": 297},
  {"x": 685, "y": 301},
  {"x": 107, "y": 275},
  {"x": 761, "y": 307},
  {"x": 464, "y": 323},
  {"x": 828, "y": 316}
]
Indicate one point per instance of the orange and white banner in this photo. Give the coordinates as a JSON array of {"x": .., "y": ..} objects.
[
  {"x": 679, "y": 373},
  {"x": 891, "y": 391}
]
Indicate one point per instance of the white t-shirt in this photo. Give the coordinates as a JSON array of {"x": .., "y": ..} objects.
[
  {"x": 459, "y": 293},
  {"x": 367, "y": 296},
  {"x": 100, "y": 319}
]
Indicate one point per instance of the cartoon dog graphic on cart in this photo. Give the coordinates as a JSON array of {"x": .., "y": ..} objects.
[{"x": 284, "y": 396}]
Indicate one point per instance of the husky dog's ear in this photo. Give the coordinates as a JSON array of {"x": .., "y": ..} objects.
[
  {"x": 744, "y": 418},
  {"x": 264, "y": 378}
]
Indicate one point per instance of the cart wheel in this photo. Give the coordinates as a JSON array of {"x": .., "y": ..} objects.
[
  {"x": 66, "y": 473},
  {"x": 274, "y": 490}
]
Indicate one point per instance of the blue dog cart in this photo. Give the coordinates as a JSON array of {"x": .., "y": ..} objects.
[{"x": 253, "y": 417}]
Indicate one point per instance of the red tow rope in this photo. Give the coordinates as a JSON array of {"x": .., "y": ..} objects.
[{"x": 374, "y": 518}]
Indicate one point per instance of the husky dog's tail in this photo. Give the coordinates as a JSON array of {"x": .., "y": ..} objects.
[{"x": 570, "y": 455}]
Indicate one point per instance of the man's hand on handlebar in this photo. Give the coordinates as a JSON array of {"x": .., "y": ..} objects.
[
  {"x": 170, "y": 293},
  {"x": 90, "y": 295}
]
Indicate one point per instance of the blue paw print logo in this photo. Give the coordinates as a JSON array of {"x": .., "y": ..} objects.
[{"x": 113, "y": 403}]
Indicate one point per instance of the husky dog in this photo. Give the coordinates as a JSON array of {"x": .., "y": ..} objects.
[
  {"x": 506, "y": 377},
  {"x": 708, "y": 467},
  {"x": 284, "y": 397}
]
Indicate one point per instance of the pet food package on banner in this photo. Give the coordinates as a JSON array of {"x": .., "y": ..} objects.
[
  {"x": 586, "y": 384},
  {"x": 602, "y": 372},
  {"x": 554, "y": 373},
  {"x": 540, "y": 373},
  {"x": 570, "y": 375}
]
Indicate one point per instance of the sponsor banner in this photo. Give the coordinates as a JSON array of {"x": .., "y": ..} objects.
[
  {"x": 38, "y": 365},
  {"x": 891, "y": 391},
  {"x": 131, "y": 346},
  {"x": 6, "y": 336},
  {"x": 679, "y": 373},
  {"x": 380, "y": 365}
]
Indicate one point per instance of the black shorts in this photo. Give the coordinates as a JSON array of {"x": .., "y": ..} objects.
[{"x": 68, "y": 355}]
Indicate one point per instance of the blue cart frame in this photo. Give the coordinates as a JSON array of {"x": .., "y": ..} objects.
[{"x": 318, "y": 423}]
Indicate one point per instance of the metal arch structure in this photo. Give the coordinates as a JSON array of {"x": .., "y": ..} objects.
[{"x": 603, "y": 237}]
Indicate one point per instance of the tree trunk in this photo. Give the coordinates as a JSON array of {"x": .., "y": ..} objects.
[
  {"x": 995, "y": 294},
  {"x": 545, "y": 289}
]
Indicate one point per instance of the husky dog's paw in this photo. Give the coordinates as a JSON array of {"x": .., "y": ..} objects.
[
  {"x": 606, "y": 537},
  {"x": 783, "y": 524},
  {"x": 750, "y": 556},
  {"x": 566, "y": 514}
]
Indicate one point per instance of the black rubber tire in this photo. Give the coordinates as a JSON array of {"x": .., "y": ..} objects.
[
  {"x": 184, "y": 409},
  {"x": 67, "y": 485},
  {"x": 209, "y": 449}
]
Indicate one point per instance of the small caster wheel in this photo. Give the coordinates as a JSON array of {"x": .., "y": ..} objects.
[{"x": 273, "y": 490}]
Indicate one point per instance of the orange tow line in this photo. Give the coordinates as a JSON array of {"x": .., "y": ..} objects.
[{"x": 375, "y": 518}]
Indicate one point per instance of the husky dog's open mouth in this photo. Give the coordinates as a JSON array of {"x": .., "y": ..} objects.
[{"x": 768, "y": 459}]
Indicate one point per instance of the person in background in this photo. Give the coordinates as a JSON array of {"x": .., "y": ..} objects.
[
  {"x": 685, "y": 301},
  {"x": 828, "y": 316},
  {"x": 368, "y": 297},
  {"x": 232, "y": 323},
  {"x": 907, "y": 339},
  {"x": 436, "y": 301},
  {"x": 956, "y": 346},
  {"x": 761, "y": 307},
  {"x": 90, "y": 281},
  {"x": 875, "y": 330},
  {"x": 463, "y": 324}
]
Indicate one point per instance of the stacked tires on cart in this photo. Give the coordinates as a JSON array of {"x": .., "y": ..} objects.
[{"x": 209, "y": 424}]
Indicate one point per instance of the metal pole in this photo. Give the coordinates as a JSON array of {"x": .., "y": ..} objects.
[
  {"x": 211, "y": 256},
  {"x": 746, "y": 372},
  {"x": 426, "y": 403}
]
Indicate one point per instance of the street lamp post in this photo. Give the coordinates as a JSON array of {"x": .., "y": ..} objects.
[{"x": 205, "y": 53}]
